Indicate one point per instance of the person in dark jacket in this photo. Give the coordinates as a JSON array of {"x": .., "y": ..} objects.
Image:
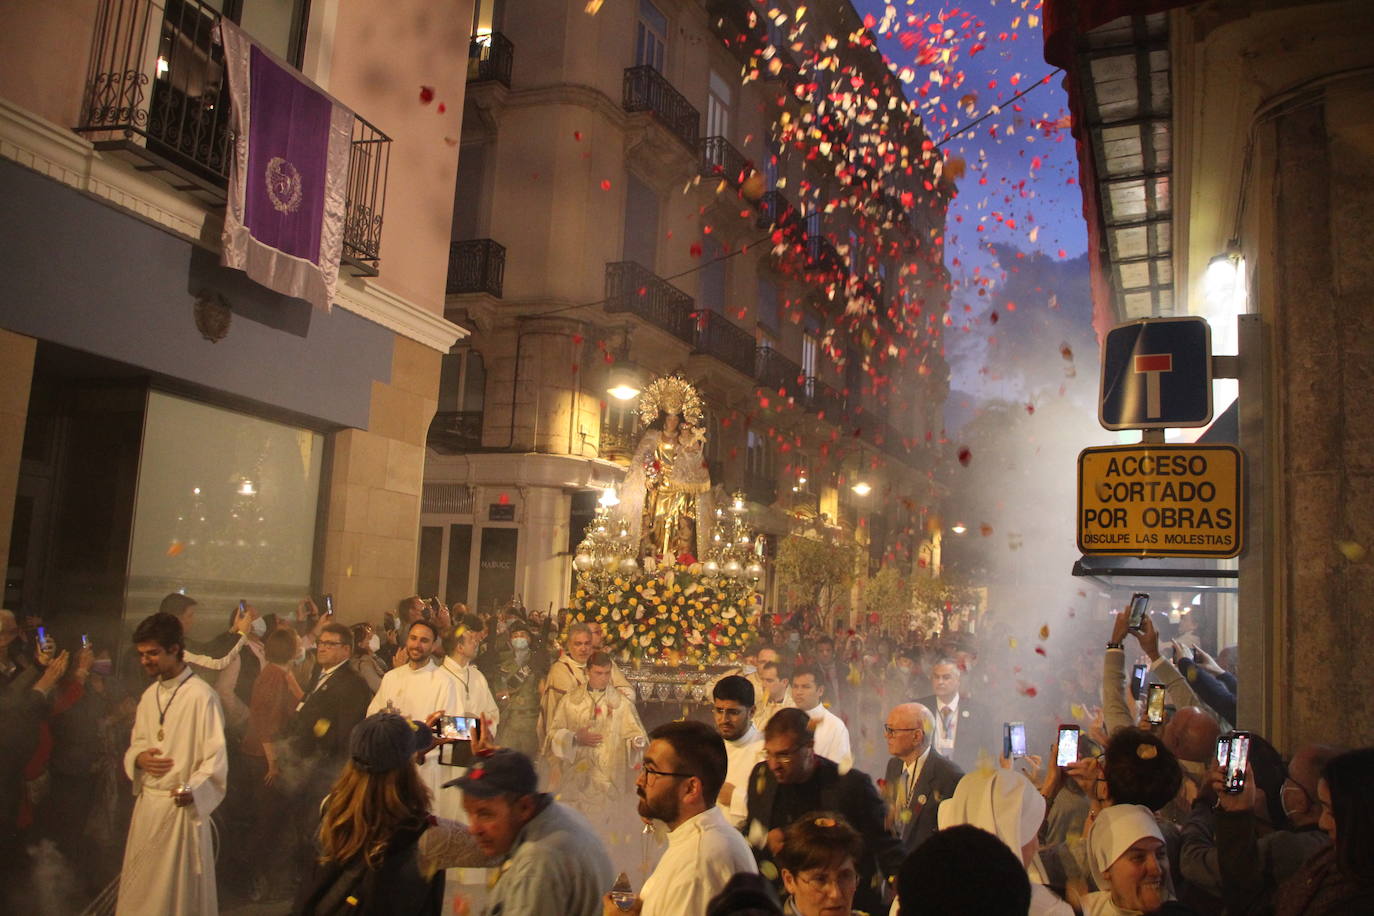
[
  {"x": 793, "y": 781},
  {"x": 917, "y": 779},
  {"x": 369, "y": 857},
  {"x": 1337, "y": 880}
]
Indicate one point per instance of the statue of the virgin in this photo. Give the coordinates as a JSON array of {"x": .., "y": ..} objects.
[{"x": 665, "y": 499}]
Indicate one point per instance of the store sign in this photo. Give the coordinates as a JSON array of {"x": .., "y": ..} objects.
[
  {"x": 1160, "y": 500},
  {"x": 501, "y": 512}
]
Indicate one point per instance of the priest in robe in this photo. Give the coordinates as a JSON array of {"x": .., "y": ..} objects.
[
  {"x": 469, "y": 695},
  {"x": 594, "y": 734},
  {"x": 417, "y": 690},
  {"x": 178, "y": 765},
  {"x": 570, "y": 671}
]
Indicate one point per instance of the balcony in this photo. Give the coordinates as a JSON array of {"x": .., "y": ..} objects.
[
  {"x": 455, "y": 432},
  {"x": 157, "y": 92},
  {"x": 615, "y": 444},
  {"x": 648, "y": 90},
  {"x": 760, "y": 487},
  {"x": 776, "y": 212},
  {"x": 822, "y": 399},
  {"x": 774, "y": 371},
  {"x": 719, "y": 337},
  {"x": 490, "y": 59},
  {"x": 633, "y": 288},
  {"x": 476, "y": 266},
  {"x": 719, "y": 159},
  {"x": 821, "y": 256}
]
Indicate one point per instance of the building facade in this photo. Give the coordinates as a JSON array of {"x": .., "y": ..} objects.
[
  {"x": 733, "y": 192},
  {"x": 1225, "y": 151},
  {"x": 169, "y": 423}
]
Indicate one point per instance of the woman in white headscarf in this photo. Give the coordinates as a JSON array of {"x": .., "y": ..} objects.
[
  {"x": 1007, "y": 805},
  {"x": 1129, "y": 863}
]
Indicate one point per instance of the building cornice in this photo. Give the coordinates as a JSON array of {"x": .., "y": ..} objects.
[{"x": 55, "y": 152}]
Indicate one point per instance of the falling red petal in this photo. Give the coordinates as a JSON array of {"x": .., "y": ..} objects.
[{"x": 426, "y": 94}]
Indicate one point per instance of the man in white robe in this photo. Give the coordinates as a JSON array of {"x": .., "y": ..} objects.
[
  {"x": 832, "y": 735},
  {"x": 417, "y": 690},
  {"x": 732, "y": 705},
  {"x": 593, "y": 734},
  {"x": 179, "y": 767},
  {"x": 683, "y": 770},
  {"x": 469, "y": 695},
  {"x": 570, "y": 671},
  {"x": 774, "y": 691}
]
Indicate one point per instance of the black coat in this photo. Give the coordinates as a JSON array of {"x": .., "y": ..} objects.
[
  {"x": 935, "y": 783},
  {"x": 853, "y": 796},
  {"x": 974, "y": 732},
  {"x": 320, "y": 729}
]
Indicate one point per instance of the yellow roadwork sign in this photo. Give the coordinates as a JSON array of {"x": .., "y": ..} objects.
[{"x": 1160, "y": 500}]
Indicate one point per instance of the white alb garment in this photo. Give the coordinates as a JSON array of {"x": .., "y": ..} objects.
[
  {"x": 831, "y": 736},
  {"x": 415, "y": 694},
  {"x": 742, "y": 754},
  {"x": 703, "y": 853},
  {"x": 169, "y": 862}
]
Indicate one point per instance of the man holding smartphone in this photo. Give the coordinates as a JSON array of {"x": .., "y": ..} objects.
[{"x": 1116, "y": 711}]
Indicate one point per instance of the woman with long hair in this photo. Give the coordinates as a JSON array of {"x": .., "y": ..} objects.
[{"x": 378, "y": 842}]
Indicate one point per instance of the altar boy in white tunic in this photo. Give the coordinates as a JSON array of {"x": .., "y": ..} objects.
[
  {"x": 417, "y": 690},
  {"x": 683, "y": 770},
  {"x": 178, "y": 765},
  {"x": 832, "y": 735}
]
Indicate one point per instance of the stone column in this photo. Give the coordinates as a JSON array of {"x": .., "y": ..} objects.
[{"x": 546, "y": 569}]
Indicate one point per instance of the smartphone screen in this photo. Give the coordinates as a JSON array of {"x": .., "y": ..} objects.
[
  {"x": 1154, "y": 707},
  {"x": 1140, "y": 602},
  {"x": 85, "y": 641},
  {"x": 461, "y": 728},
  {"x": 1066, "y": 751},
  {"x": 42, "y": 637},
  {"x": 1018, "y": 739},
  {"x": 328, "y": 605},
  {"x": 243, "y": 606},
  {"x": 1138, "y": 680},
  {"x": 1235, "y": 766}
]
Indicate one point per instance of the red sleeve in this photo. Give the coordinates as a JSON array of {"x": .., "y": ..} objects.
[{"x": 69, "y": 691}]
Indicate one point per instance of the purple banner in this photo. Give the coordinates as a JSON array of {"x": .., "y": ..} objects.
[{"x": 288, "y": 153}]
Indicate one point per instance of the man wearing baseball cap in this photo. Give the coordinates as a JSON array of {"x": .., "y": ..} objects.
[{"x": 551, "y": 861}]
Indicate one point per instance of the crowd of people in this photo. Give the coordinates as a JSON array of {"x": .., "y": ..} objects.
[{"x": 327, "y": 768}]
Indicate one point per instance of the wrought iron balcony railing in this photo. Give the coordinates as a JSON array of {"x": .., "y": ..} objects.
[
  {"x": 719, "y": 159},
  {"x": 777, "y": 372},
  {"x": 822, "y": 399},
  {"x": 776, "y": 212},
  {"x": 718, "y": 336},
  {"x": 476, "y": 266},
  {"x": 455, "y": 432},
  {"x": 648, "y": 90},
  {"x": 490, "y": 57},
  {"x": 821, "y": 256},
  {"x": 616, "y": 444},
  {"x": 157, "y": 89},
  {"x": 760, "y": 487},
  {"x": 633, "y": 288}
]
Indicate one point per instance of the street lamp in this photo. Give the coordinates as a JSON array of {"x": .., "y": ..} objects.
[
  {"x": 862, "y": 488},
  {"x": 624, "y": 382},
  {"x": 1223, "y": 285},
  {"x": 958, "y": 527}
]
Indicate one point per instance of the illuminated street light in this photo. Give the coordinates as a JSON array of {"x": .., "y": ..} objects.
[
  {"x": 862, "y": 488},
  {"x": 958, "y": 528}
]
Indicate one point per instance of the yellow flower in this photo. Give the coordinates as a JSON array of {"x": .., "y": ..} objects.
[
  {"x": 633, "y": 601},
  {"x": 605, "y": 610}
]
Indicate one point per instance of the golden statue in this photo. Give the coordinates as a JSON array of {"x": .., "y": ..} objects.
[{"x": 666, "y": 494}]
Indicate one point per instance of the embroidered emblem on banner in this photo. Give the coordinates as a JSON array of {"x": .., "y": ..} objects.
[{"x": 283, "y": 185}]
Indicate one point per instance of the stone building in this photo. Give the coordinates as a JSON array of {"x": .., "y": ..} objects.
[
  {"x": 167, "y": 422},
  {"x": 1226, "y": 154},
  {"x": 684, "y": 186}
]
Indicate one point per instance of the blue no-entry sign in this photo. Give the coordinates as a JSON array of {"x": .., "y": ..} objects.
[{"x": 1156, "y": 373}]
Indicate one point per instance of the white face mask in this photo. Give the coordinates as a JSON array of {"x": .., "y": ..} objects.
[
  {"x": 519, "y": 644},
  {"x": 259, "y": 627},
  {"x": 374, "y": 642}
]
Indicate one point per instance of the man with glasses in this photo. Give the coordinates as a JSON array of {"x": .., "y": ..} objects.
[
  {"x": 794, "y": 781},
  {"x": 733, "y": 699},
  {"x": 916, "y": 780},
  {"x": 684, "y": 767},
  {"x": 335, "y": 700}
]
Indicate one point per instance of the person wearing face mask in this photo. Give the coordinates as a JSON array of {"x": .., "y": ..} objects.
[
  {"x": 516, "y": 685},
  {"x": 366, "y": 660}
]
